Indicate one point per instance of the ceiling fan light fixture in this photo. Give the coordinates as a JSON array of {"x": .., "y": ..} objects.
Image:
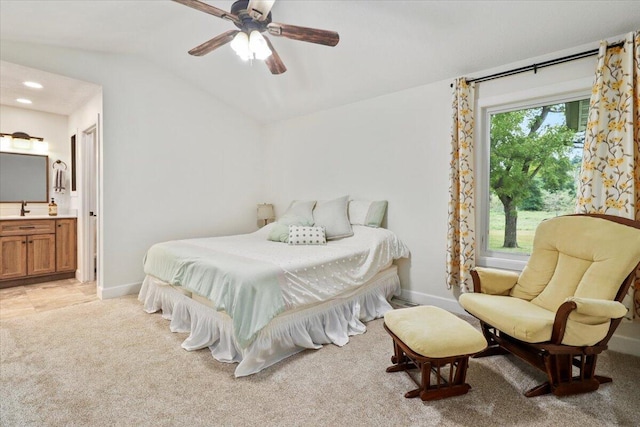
[
  {"x": 258, "y": 45},
  {"x": 250, "y": 46},
  {"x": 240, "y": 45}
]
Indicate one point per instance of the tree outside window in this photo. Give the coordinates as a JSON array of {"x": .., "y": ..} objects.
[{"x": 535, "y": 156}]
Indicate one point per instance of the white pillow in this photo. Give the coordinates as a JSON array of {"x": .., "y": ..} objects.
[
  {"x": 300, "y": 235},
  {"x": 298, "y": 213},
  {"x": 333, "y": 216},
  {"x": 301, "y": 211},
  {"x": 369, "y": 213}
]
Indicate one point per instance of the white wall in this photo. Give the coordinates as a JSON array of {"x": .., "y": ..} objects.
[
  {"x": 51, "y": 127},
  {"x": 396, "y": 147},
  {"x": 176, "y": 162}
]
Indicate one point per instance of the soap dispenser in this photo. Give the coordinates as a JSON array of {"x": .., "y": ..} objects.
[{"x": 53, "y": 208}]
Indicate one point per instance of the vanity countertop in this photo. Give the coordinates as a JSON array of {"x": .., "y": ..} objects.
[{"x": 14, "y": 217}]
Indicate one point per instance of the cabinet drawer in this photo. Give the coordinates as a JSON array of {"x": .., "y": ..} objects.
[{"x": 23, "y": 227}]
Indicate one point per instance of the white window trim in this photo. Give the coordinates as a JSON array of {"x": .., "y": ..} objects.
[{"x": 566, "y": 91}]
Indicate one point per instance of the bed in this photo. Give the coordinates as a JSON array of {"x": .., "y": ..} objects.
[{"x": 255, "y": 302}]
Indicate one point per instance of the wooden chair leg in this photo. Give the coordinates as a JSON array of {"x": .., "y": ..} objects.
[
  {"x": 602, "y": 379},
  {"x": 413, "y": 393},
  {"x": 542, "y": 389},
  {"x": 461, "y": 371},
  {"x": 398, "y": 354},
  {"x": 562, "y": 382},
  {"x": 563, "y": 368}
]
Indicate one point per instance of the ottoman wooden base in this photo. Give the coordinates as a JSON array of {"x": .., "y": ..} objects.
[
  {"x": 404, "y": 358},
  {"x": 433, "y": 340}
]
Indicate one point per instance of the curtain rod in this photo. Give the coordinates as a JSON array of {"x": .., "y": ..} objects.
[{"x": 536, "y": 67}]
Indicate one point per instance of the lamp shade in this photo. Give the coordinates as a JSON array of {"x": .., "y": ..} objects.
[
  {"x": 258, "y": 45},
  {"x": 240, "y": 45},
  {"x": 265, "y": 211}
]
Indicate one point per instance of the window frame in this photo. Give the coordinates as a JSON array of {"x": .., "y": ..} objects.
[{"x": 562, "y": 92}]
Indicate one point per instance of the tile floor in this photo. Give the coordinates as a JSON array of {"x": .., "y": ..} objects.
[{"x": 29, "y": 299}]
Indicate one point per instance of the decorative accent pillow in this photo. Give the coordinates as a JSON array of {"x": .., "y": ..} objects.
[
  {"x": 333, "y": 216},
  {"x": 363, "y": 212},
  {"x": 298, "y": 213},
  {"x": 299, "y": 235}
]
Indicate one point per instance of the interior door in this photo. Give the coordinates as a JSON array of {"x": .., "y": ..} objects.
[{"x": 91, "y": 204}]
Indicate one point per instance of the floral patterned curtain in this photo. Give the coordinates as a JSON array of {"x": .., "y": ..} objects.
[
  {"x": 610, "y": 174},
  {"x": 461, "y": 232}
]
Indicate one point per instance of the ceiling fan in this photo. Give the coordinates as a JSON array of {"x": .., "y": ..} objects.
[{"x": 253, "y": 17}]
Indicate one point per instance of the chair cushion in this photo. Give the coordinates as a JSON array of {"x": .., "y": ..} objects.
[
  {"x": 598, "y": 308},
  {"x": 577, "y": 256},
  {"x": 529, "y": 322},
  {"x": 434, "y": 332},
  {"x": 495, "y": 281}
]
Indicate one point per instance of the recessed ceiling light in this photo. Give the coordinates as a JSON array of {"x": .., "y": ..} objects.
[
  {"x": 34, "y": 85},
  {"x": 24, "y": 101}
]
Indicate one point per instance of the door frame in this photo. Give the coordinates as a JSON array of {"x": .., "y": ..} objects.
[{"x": 84, "y": 219}]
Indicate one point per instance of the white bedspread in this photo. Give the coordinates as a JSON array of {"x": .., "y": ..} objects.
[{"x": 307, "y": 274}]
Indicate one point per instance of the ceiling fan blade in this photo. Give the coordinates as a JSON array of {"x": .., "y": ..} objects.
[
  {"x": 211, "y": 10},
  {"x": 274, "y": 63},
  {"x": 311, "y": 35},
  {"x": 214, "y": 43},
  {"x": 259, "y": 9}
]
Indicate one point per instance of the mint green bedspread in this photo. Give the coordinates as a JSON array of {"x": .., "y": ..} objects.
[{"x": 248, "y": 290}]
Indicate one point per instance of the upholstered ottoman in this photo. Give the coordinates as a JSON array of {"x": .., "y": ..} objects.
[{"x": 430, "y": 339}]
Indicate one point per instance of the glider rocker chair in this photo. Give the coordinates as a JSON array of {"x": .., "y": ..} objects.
[{"x": 561, "y": 311}]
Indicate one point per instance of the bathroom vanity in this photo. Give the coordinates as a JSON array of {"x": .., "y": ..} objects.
[{"x": 37, "y": 249}]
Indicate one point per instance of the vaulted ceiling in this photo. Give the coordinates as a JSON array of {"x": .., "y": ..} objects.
[{"x": 385, "y": 46}]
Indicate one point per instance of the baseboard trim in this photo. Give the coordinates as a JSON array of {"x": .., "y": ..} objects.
[
  {"x": 119, "y": 291},
  {"x": 449, "y": 304},
  {"x": 618, "y": 342},
  {"x": 625, "y": 344}
]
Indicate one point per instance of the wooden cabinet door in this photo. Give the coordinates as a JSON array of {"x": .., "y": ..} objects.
[
  {"x": 66, "y": 245},
  {"x": 41, "y": 254},
  {"x": 13, "y": 256}
]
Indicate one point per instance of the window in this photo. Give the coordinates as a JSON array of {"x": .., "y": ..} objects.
[{"x": 531, "y": 162}]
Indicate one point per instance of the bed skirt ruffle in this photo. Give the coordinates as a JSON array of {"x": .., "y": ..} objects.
[{"x": 330, "y": 322}]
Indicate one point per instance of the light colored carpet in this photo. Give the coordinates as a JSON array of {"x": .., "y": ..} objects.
[{"x": 109, "y": 363}]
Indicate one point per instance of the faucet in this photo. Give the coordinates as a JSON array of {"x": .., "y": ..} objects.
[{"x": 22, "y": 209}]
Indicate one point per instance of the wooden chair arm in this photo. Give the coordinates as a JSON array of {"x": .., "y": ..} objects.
[
  {"x": 560, "y": 321},
  {"x": 477, "y": 288},
  {"x": 585, "y": 306}
]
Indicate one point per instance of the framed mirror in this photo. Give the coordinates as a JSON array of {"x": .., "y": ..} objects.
[{"x": 24, "y": 177}]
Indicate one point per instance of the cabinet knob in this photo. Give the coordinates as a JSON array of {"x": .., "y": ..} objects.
[
  {"x": 24, "y": 241},
  {"x": 59, "y": 225}
]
